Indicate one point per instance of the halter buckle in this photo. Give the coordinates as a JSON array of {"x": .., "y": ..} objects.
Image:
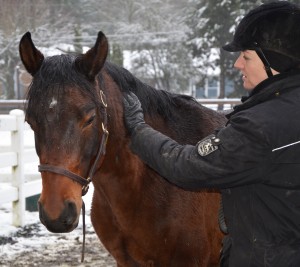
[
  {"x": 104, "y": 129},
  {"x": 86, "y": 187},
  {"x": 103, "y": 98}
]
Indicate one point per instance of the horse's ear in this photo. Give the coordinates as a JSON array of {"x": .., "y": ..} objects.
[
  {"x": 93, "y": 60},
  {"x": 31, "y": 57}
]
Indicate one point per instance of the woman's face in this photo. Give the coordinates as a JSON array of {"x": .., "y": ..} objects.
[{"x": 252, "y": 69}]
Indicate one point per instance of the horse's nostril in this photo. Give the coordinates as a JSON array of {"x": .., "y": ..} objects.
[
  {"x": 71, "y": 207},
  {"x": 69, "y": 215}
]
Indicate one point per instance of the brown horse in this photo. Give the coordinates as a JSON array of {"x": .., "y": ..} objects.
[{"x": 140, "y": 218}]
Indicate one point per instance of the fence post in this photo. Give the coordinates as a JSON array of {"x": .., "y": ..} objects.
[{"x": 17, "y": 142}]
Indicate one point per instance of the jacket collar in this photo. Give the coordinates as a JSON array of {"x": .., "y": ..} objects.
[{"x": 268, "y": 89}]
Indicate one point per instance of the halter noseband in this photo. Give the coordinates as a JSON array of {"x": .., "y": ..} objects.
[
  {"x": 75, "y": 177},
  {"x": 79, "y": 179}
]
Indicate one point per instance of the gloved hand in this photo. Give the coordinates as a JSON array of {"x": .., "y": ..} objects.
[{"x": 133, "y": 112}]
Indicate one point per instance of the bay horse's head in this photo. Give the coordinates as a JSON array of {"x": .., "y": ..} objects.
[{"x": 66, "y": 111}]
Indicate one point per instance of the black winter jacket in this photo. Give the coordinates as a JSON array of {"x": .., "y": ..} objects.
[{"x": 255, "y": 161}]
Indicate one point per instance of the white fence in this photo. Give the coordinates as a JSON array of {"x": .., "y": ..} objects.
[
  {"x": 15, "y": 184},
  {"x": 226, "y": 103}
]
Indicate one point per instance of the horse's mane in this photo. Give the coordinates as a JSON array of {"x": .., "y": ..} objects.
[
  {"x": 153, "y": 101},
  {"x": 188, "y": 119}
]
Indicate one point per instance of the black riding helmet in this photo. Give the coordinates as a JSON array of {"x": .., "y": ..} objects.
[{"x": 273, "y": 31}]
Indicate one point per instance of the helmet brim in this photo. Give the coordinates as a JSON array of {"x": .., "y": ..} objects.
[{"x": 232, "y": 47}]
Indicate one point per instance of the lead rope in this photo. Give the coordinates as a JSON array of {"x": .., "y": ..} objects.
[
  {"x": 83, "y": 231},
  {"x": 85, "y": 188}
]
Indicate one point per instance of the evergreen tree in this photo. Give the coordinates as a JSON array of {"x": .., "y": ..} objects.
[{"x": 212, "y": 24}]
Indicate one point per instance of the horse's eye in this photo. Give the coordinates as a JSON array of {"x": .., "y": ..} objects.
[{"x": 90, "y": 120}]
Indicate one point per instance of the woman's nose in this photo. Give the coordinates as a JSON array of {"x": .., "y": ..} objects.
[{"x": 239, "y": 63}]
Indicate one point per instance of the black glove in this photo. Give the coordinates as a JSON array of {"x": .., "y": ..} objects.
[{"x": 133, "y": 112}]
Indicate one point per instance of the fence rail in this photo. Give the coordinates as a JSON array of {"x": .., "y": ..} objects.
[
  {"x": 229, "y": 101},
  {"x": 15, "y": 184},
  {"x": 7, "y": 105}
]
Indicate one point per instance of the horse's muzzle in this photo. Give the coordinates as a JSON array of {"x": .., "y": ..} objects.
[{"x": 66, "y": 222}]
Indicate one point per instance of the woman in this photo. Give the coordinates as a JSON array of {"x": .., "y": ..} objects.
[{"x": 254, "y": 160}]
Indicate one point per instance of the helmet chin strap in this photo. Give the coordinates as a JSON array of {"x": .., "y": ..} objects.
[{"x": 263, "y": 58}]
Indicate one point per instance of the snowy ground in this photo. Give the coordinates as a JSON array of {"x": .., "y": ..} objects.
[{"x": 33, "y": 245}]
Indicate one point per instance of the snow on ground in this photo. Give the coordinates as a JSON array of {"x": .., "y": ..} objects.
[
  {"x": 7, "y": 230},
  {"x": 22, "y": 246}
]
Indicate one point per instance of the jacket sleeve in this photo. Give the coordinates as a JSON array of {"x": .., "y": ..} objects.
[{"x": 238, "y": 159}]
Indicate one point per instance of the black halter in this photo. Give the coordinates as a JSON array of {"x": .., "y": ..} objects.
[{"x": 79, "y": 179}]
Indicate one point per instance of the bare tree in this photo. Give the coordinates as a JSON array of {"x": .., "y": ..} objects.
[
  {"x": 47, "y": 20},
  {"x": 154, "y": 25}
]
